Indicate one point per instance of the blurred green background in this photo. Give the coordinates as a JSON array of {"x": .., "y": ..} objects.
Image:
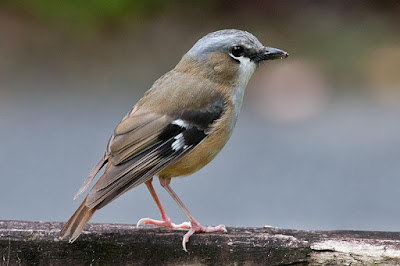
[{"x": 317, "y": 145}]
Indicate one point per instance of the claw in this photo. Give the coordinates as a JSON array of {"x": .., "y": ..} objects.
[
  {"x": 224, "y": 228},
  {"x": 185, "y": 240},
  {"x": 140, "y": 222},
  {"x": 197, "y": 228}
]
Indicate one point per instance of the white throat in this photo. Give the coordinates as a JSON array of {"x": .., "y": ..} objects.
[{"x": 246, "y": 70}]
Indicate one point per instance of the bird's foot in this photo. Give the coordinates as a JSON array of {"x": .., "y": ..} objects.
[
  {"x": 197, "y": 228},
  {"x": 166, "y": 222}
]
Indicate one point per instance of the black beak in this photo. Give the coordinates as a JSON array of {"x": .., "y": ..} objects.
[{"x": 270, "y": 53}]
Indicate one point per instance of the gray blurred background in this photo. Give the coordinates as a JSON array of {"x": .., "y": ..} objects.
[{"x": 317, "y": 145}]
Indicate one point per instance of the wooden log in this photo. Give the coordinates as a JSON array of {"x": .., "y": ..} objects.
[{"x": 37, "y": 243}]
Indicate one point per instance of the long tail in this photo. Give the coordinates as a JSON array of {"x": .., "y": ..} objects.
[{"x": 73, "y": 228}]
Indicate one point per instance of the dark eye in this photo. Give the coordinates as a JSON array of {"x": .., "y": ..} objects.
[{"x": 237, "y": 51}]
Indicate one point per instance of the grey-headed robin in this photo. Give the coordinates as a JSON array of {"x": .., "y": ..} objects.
[{"x": 177, "y": 128}]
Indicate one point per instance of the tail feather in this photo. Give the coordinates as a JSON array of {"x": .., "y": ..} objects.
[
  {"x": 73, "y": 228},
  {"x": 91, "y": 175}
]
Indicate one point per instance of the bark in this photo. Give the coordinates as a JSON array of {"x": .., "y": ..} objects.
[{"x": 37, "y": 243}]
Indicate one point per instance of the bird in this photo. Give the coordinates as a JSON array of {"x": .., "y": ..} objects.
[{"x": 180, "y": 124}]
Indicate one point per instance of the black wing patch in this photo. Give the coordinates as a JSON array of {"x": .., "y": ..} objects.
[
  {"x": 206, "y": 116},
  {"x": 192, "y": 126}
]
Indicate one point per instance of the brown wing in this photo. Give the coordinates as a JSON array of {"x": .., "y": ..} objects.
[
  {"x": 139, "y": 152},
  {"x": 131, "y": 135},
  {"x": 145, "y": 142}
]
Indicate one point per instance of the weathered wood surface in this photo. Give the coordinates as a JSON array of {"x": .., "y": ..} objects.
[{"x": 37, "y": 243}]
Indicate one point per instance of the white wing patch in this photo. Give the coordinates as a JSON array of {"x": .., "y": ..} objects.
[
  {"x": 179, "y": 142},
  {"x": 181, "y": 123}
]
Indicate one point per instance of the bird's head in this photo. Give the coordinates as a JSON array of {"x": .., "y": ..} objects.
[{"x": 230, "y": 55}]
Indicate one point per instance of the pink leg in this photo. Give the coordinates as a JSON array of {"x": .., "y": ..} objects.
[
  {"x": 165, "y": 221},
  {"x": 195, "y": 226}
]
